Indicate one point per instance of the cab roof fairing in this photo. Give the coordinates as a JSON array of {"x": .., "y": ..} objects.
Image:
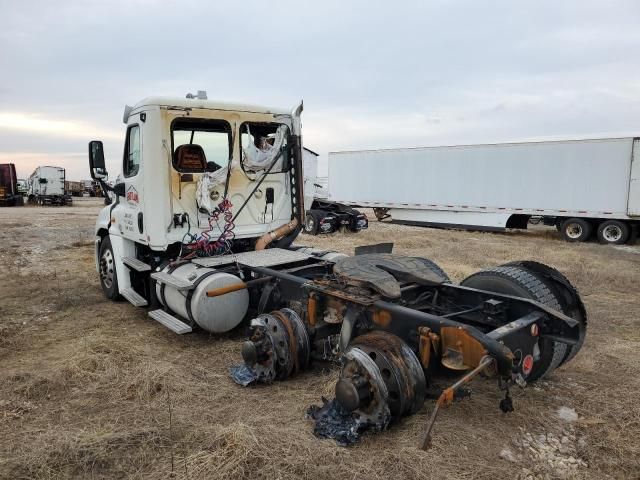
[{"x": 186, "y": 103}]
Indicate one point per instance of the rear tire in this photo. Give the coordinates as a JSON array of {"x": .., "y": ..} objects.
[
  {"x": 520, "y": 282},
  {"x": 435, "y": 268},
  {"x": 613, "y": 232},
  {"x": 108, "y": 275},
  {"x": 576, "y": 230}
]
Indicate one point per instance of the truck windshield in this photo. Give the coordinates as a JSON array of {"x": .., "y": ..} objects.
[{"x": 209, "y": 144}]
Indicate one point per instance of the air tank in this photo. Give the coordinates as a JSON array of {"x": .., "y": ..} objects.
[{"x": 213, "y": 314}]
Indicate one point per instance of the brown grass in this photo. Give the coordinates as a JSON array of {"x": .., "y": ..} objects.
[{"x": 92, "y": 389}]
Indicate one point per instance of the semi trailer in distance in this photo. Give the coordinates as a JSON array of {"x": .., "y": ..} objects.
[
  {"x": 583, "y": 187},
  {"x": 47, "y": 186}
]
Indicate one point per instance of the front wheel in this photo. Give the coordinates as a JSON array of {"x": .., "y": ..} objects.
[{"x": 108, "y": 276}]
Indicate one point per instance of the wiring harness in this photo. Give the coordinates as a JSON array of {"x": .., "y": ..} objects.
[{"x": 204, "y": 244}]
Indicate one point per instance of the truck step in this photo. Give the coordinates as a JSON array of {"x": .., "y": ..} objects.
[
  {"x": 172, "y": 281},
  {"x": 169, "y": 321},
  {"x": 136, "y": 264},
  {"x": 134, "y": 298}
]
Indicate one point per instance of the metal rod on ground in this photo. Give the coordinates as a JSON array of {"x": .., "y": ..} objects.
[{"x": 446, "y": 397}]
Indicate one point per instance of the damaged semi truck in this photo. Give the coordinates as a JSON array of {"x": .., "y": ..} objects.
[{"x": 201, "y": 229}]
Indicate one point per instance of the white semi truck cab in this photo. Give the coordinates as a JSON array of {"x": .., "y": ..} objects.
[
  {"x": 200, "y": 227},
  {"x": 199, "y": 178}
]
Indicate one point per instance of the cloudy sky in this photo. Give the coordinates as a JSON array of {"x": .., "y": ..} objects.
[{"x": 372, "y": 73}]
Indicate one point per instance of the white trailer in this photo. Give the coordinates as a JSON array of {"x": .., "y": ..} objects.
[
  {"x": 580, "y": 186},
  {"x": 46, "y": 186}
]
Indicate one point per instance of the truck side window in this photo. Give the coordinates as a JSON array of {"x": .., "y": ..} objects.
[
  {"x": 263, "y": 144},
  {"x": 132, "y": 152}
]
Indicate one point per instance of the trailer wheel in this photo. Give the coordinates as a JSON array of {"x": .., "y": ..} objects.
[
  {"x": 108, "y": 276},
  {"x": 520, "y": 282},
  {"x": 311, "y": 223},
  {"x": 613, "y": 232},
  {"x": 576, "y": 230}
]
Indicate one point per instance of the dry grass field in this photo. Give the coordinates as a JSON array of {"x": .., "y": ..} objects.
[{"x": 93, "y": 389}]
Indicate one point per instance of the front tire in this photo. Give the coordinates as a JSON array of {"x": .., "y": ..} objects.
[
  {"x": 108, "y": 276},
  {"x": 613, "y": 232},
  {"x": 576, "y": 230},
  {"x": 520, "y": 282}
]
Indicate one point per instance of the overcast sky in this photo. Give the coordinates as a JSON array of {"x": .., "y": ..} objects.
[{"x": 372, "y": 73}]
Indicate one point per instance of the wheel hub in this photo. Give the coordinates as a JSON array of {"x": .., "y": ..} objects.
[
  {"x": 278, "y": 346},
  {"x": 106, "y": 268},
  {"x": 381, "y": 380},
  {"x": 574, "y": 230},
  {"x": 612, "y": 233},
  {"x": 309, "y": 223}
]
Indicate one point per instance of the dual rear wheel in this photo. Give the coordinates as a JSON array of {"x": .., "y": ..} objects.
[{"x": 612, "y": 232}]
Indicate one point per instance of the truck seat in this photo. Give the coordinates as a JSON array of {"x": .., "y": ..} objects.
[{"x": 190, "y": 157}]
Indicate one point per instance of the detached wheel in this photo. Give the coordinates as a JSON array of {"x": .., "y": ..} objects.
[
  {"x": 576, "y": 230},
  {"x": 108, "y": 277},
  {"x": 520, "y": 282},
  {"x": 311, "y": 224},
  {"x": 613, "y": 232}
]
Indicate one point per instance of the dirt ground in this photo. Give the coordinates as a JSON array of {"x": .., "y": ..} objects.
[{"x": 93, "y": 389}]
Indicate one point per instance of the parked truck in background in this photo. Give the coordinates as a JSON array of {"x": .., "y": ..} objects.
[
  {"x": 74, "y": 189},
  {"x": 47, "y": 186},
  {"x": 23, "y": 187},
  {"x": 321, "y": 214},
  {"x": 583, "y": 187},
  {"x": 92, "y": 188},
  {"x": 9, "y": 194}
]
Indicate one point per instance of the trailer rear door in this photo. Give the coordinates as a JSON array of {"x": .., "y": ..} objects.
[{"x": 633, "y": 207}]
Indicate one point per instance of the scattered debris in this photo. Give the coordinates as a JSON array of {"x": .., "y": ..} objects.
[
  {"x": 243, "y": 375},
  {"x": 547, "y": 455},
  {"x": 333, "y": 421},
  {"x": 567, "y": 414},
  {"x": 508, "y": 455}
]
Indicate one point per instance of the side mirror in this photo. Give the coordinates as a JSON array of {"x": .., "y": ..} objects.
[{"x": 96, "y": 160}]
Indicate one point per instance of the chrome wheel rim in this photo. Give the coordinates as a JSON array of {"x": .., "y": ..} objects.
[
  {"x": 612, "y": 233},
  {"x": 574, "y": 231},
  {"x": 107, "y": 268},
  {"x": 309, "y": 223}
]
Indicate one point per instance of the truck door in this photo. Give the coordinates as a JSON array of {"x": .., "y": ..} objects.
[
  {"x": 129, "y": 219},
  {"x": 633, "y": 205}
]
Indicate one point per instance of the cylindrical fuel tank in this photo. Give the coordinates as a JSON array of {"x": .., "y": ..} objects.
[{"x": 213, "y": 314}]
